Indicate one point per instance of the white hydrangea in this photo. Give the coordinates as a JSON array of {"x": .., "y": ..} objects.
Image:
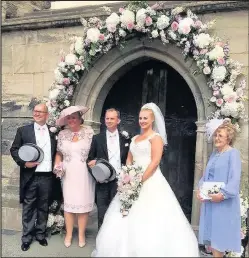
[
  {"x": 71, "y": 59},
  {"x": 162, "y": 22},
  {"x": 154, "y": 34},
  {"x": 141, "y": 16},
  {"x": 93, "y": 34},
  {"x": 79, "y": 46},
  {"x": 219, "y": 73},
  {"x": 226, "y": 89},
  {"x": 150, "y": 11},
  {"x": 54, "y": 94},
  {"x": 172, "y": 34},
  {"x": 216, "y": 53},
  {"x": 202, "y": 40},
  {"x": 58, "y": 76},
  {"x": 127, "y": 17},
  {"x": 66, "y": 103},
  {"x": 232, "y": 109}
]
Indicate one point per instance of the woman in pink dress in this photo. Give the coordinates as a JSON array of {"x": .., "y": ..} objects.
[{"x": 77, "y": 183}]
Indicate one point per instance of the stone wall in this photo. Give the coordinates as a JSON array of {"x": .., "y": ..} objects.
[{"x": 29, "y": 58}]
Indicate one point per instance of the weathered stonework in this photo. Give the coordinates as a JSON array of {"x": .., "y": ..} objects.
[{"x": 31, "y": 47}]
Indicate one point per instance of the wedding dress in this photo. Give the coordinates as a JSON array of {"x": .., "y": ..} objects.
[{"x": 156, "y": 225}]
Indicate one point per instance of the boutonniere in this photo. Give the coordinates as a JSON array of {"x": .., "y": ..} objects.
[
  {"x": 127, "y": 144},
  {"x": 53, "y": 129},
  {"x": 125, "y": 134}
]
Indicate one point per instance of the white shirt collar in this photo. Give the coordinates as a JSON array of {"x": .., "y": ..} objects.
[
  {"x": 110, "y": 134},
  {"x": 38, "y": 127}
]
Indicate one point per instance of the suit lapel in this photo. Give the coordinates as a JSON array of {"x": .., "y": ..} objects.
[
  {"x": 52, "y": 140},
  {"x": 32, "y": 134},
  {"x": 121, "y": 144},
  {"x": 104, "y": 144}
]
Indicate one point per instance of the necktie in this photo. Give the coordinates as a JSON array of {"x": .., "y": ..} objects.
[{"x": 42, "y": 130}]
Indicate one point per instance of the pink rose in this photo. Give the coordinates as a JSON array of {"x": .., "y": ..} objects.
[
  {"x": 230, "y": 98},
  {"x": 219, "y": 102},
  {"x": 198, "y": 24},
  {"x": 130, "y": 25},
  {"x": 102, "y": 37},
  {"x": 216, "y": 93},
  {"x": 148, "y": 21},
  {"x": 78, "y": 63},
  {"x": 174, "y": 26},
  {"x": 66, "y": 81},
  {"x": 63, "y": 59},
  {"x": 126, "y": 178},
  {"x": 186, "y": 29},
  {"x": 221, "y": 61},
  {"x": 121, "y": 9}
]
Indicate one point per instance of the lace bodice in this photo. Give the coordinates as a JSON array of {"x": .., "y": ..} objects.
[
  {"x": 75, "y": 150},
  {"x": 141, "y": 151}
]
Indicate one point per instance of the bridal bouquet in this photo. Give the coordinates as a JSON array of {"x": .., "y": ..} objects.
[
  {"x": 59, "y": 170},
  {"x": 129, "y": 186}
]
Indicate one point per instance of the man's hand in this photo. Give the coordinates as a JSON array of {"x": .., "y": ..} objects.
[
  {"x": 216, "y": 197},
  {"x": 92, "y": 163},
  {"x": 31, "y": 164}
]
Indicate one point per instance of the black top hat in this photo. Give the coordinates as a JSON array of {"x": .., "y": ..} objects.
[
  {"x": 30, "y": 152},
  {"x": 103, "y": 171}
]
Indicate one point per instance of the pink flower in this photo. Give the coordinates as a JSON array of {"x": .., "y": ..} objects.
[
  {"x": 78, "y": 63},
  {"x": 221, "y": 61},
  {"x": 198, "y": 24},
  {"x": 196, "y": 52},
  {"x": 219, "y": 102},
  {"x": 203, "y": 51},
  {"x": 63, "y": 59},
  {"x": 121, "y": 9},
  {"x": 216, "y": 93},
  {"x": 111, "y": 28},
  {"x": 130, "y": 25},
  {"x": 148, "y": 21},
  {"x": 174, "y": 26},
  {"x": 185, "y": 29},
  {"x": 66, "y": 81},
  {"x": 102, "y": 37},
  {"x": 126, "y": 178},
  {"x": 221, "y": 44},
  {"x": 230, "y": 98}
]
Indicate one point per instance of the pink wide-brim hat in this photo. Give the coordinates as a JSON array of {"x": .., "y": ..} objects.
[{"x": 68, "y": 111}]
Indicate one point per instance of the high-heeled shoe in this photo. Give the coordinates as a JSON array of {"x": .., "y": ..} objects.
[
  {"x": 82, "y": 244},
  {"x": 68, "y": 242}
]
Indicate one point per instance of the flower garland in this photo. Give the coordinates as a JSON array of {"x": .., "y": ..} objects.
[{"x": 177, "y": 26}]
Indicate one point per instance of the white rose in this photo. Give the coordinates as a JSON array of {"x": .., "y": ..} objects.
[
  {"x": 54, "y": 94},
  {"x": 77, "y": 67},
  {"x": 93, "y": 34},
  {"x": 154, "y": 34},
  {"x": 79, "y": 46},
  {"x": 141, "y": 16},
  {"x": 202, "y": 40},
  {"x": 53, "y": 129},
  {"x": 71, "y": 59},
  {"x": 60, "y": 87},
  {"x": 216, "y": 53},
  {"x": 213, "y": 99},
  {"x": 66, "y": 103},
  {"x": 132, "y": 173},
  {"x": 162, "y": 22},
  {"x": 185, "y": 26},
  {"x": 206, "y": 70},
  {"x": 112, "y": 22},
  {"x": 62, "y": 64},
  {"x": 127, "y": 17},
  {"x": 219, "y": 73}
]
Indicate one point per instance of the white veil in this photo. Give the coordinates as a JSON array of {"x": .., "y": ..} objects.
[{"x": 159, "y": 123}]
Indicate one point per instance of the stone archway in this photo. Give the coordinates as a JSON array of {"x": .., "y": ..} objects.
[{"x": 95, "y": 85}]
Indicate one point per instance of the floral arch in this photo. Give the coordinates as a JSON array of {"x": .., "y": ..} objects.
[{"x": 177, "y": 26}]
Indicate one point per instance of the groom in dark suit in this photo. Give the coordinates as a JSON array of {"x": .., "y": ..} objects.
[
  {"x": 36, "y": 179},
  {"x": 112, "y": 146}
]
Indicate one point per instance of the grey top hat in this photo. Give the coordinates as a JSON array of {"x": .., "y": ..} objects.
[
  {"x": 30, "y": 152},
  {"x": 103, "y": 171}
]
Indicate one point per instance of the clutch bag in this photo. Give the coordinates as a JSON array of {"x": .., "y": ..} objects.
[{"x": 210, "y": 188}]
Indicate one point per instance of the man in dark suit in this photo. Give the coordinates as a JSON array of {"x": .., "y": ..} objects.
[
  {"x": 112, "y": 146},
  {"x": 36, "y": 179}
]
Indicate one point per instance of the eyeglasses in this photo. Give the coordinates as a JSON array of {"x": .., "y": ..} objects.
[{"x": 39, "y": 112}]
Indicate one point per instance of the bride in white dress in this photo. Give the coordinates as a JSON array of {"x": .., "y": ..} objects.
[{"x": 156, "y": 225}]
